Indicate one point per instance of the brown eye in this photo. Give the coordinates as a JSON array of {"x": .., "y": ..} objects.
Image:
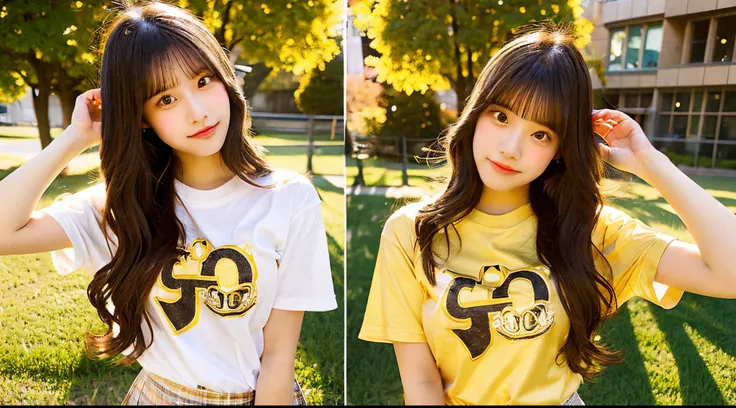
[
  {"x": 204, "y": 81},
  {"x": 502, "y": 117},
  {"x": 541, "y": 136},
  {"x": 166, "y": 100}
]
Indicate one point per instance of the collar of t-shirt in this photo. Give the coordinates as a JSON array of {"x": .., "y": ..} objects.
[
  {"x": 213, "y": 196},
  {"x": 509, "y": 219}
]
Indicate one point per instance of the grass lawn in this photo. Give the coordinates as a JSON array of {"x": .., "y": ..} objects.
[
  {"x": 269, "y": 138},
  {"x": 380, "y": 172},
  {"x": 25, "y": 132},
  {"x": 683, "y": 356},
  {"x": 43, "y": 317}
]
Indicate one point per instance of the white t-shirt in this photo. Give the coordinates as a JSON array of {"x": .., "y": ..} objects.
[{"x": 208, "y": 311}]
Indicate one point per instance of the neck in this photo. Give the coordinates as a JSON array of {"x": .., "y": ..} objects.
[
  {"x": 501, "y": 202},
  {"x": 203, "y": 172}
]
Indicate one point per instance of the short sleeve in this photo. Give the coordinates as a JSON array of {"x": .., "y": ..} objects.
[
  {"x": 633, "y": 251},
  {"x": 304, "y": 279},
  {"x": 396, "y": 297},
  {"x": 78, "y": 216}
]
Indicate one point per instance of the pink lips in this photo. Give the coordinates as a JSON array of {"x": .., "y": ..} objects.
[
  {"x": 503, "y": 169},
  {"x": 206, "y": 132}
]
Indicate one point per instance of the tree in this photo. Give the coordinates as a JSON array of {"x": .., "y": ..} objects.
[
  {"x": 442, "y": 44},
  {"x": 321, "y": 91},
  {"x": 44, "y": 46},
  {"x": 362, "y": 105},
  {"x": 291, "y": 35}
]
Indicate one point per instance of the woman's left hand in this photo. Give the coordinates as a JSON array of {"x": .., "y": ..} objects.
[{"x": 628, "y": 147}]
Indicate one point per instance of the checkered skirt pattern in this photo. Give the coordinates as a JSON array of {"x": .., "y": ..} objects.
[{"x": 151, "y": 389}]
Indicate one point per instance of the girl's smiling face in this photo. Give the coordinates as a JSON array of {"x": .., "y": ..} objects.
[
  {"x": 509, "y": 151},
  {"x": 196, "y": 103}
]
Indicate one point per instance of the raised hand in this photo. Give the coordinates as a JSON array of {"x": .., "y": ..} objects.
[
  {"x": 628, "y": 147},
  {"x": 86, "y": 117}
]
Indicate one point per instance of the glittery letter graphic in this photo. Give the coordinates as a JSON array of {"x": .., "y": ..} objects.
[
  {"x": 531, "y": 322},
  {"x": 223, "y": 278}
]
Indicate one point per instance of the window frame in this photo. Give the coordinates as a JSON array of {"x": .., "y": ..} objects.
[{"x": 640, "y": 58}]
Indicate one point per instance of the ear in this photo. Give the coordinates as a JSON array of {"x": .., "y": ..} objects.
[{"x": 145, "y": 125}]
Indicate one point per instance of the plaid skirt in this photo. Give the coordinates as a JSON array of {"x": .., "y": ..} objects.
[
  {"x": 151, "y": 389},
  {"x": 574, "y": 399}
]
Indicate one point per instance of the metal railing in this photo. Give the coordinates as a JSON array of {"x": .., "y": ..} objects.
[
  {"x": 364, "y": 149},
  {"x": 300, "y": 124}
]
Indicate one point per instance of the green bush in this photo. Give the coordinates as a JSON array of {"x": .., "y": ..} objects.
[{"x": 321, "y": 92}]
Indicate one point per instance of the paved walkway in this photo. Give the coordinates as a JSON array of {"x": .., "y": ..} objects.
[
  {"x": 25, "y": 148},
  {"x": 393, "y": 192},
  {"x": 337, "y": 181}
]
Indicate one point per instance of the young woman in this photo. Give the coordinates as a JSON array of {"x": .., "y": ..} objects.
[
  {"x": 491, "y": 293},
  {"x": 202, "y": 259}
]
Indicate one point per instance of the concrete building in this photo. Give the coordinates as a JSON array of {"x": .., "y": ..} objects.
[{"x": 671, "y": 65}]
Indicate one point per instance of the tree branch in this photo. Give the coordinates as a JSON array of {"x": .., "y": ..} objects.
[
  {"x": 234, "y": 42},
  {"x": 225, "y": 17}
]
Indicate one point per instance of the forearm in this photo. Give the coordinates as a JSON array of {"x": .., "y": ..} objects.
[
  {"x": 23, "y": 187},
  {"x": 712, "y": 225},
  {"x": 275, "y": 385}
]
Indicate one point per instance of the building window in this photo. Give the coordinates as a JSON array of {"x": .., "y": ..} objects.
[
  {"x": 652, "y": 46},
  {"x": 700, "y": 38},
  {"x": 617, "y": 48},
  {"x": 635, "y": 47},
  {"x": 724, "y": 39},
  {"x": 697, "y": 127}
]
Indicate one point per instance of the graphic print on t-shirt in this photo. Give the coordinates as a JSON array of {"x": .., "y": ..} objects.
[
  {"x": 493, "y": 282},
  {"x": 224, "y": 278}
]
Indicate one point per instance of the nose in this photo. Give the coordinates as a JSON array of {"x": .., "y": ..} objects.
[
  {"x": 197, "y": 110},
  {"x": 510, "y": 145}
]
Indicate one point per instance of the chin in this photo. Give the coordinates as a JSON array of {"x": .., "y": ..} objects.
[
  {"x": 493, "y": 182},
  {"x": 204, "y": 148}
]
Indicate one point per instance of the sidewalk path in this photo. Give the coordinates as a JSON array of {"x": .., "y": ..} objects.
[
  {"x": 393, "y": 192},
  {"x": 24, "y": 148},
  {"x": 337, "y": 181}
]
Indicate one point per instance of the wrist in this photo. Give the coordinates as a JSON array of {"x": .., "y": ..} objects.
[{"x": 74, "y": 139}]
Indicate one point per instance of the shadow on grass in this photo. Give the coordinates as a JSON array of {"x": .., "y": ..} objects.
[
  {"x": 323, "y": 184},
  {"x": 373, "y": 376},
  {"x": 321, "y": 339},
  {"x": 710, "y": 317},
  {"x": 98, "y": 382},
  {"x": 625, "y": 383}
]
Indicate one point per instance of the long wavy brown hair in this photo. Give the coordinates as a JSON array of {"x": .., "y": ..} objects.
[
  {"x": 543, "y": 78},
  {"x": 142, "y": 47}
]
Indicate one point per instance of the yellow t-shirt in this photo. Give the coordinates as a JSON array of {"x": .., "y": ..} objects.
[{"x": 494, "y": 321}]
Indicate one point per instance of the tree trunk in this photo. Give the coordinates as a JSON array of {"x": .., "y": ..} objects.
[
  {"x": 67, "y": 98},
  {"x": 41, "y": 108},
  {"x": 254, "y": 79},
  {"x": 460, "y": 82},
  {"x": 67, "y": 95}
]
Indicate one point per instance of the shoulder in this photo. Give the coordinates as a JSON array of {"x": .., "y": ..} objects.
[
  {"x": 93, "y": 196},
  {"x": 291, "y": 186},
  {"x": 612, "y": 215},
  {"x": 614, "y": 223},
  {"x": 399, "y": 227}
]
